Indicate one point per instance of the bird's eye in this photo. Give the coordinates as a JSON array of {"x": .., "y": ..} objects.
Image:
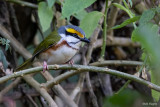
[{"x": 74, "y": 34}]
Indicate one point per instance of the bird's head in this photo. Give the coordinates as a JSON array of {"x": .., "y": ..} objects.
[{"x": 72, "y": 34}]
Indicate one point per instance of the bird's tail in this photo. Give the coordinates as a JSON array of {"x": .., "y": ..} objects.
[{"x": 25, "y": 65}]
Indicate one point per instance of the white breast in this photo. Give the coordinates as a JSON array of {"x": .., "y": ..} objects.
[{"x": 61, "y": 55}]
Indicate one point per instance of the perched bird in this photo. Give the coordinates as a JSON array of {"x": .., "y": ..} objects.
[{"x": 57, "y": 48}]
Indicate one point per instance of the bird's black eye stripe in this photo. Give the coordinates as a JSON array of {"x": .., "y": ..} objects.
[{"x": 73, "y": 34}]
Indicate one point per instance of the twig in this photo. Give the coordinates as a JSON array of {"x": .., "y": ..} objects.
[
  {"x": 104, "y": 32},
  {"x": 31, "y": 99},
  {"x": 80, "y": 69},
  {"x": 24, "y": 3},
  {"x": 112, "y": 17},
  {"x": 117, "y": 63},
  {"x": 14, "y": 21},
  {"x": 41, "y": 90},
  {"x": 124, "y": 86},
  {"x": 9, "y": 87},
  {"x": 91, "y": 92},
  {"x": 117, "y": 41}
]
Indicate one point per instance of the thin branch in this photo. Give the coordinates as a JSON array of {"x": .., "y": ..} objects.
[
  {"x": 80, "y": 69},
  {"x": 23, "y": 3},
  {"x": 117, "y": 41},
  {"x": 31, "y": 99},
  {"x": 104, "y": 32},
  {"x": 112, "y": 17},
  {"x": 91, "y": 92},
  {"x": 41, "y": 90},
  {"x": 117, "y": 63},
  {"x": 9, "y": 87}
]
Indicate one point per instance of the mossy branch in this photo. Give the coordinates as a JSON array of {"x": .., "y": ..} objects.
[{"x": 76, "y": 70}]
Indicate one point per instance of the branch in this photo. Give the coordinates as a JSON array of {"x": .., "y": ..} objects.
[
  {"x": 41, "y": 90},
  {"x": 24, "y": 3},
  {"x": 117, "y": 41},
  {"x": 117, "y": 63},
  {"x": 80, "y": 69}
]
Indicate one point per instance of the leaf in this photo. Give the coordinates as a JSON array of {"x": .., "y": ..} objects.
[
  {"x": 7, "y": 44},
  {"x": 126, "y": 22},
  {"x": 45, "y": 15},
  {"x": 122, "y": 7},
  {"x": 81, "y": 14},
  {"x": 147, "y": 16},
  {"x": 74, "y": 6},
  {"x": 90, "y": 22},
  {"x": 3, "y": 60},
  {"x": 50, "y": 3},
  {"x": 158, "y": 9},
  {"x": 147, "y": 35},
  {"x": 130, "y": 2},
  {"x": 126, "y": 98},
  {"x": 155, "y": 94}
]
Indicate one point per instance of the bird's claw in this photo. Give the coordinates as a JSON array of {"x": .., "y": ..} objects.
[{"x": 45, "y": 66}]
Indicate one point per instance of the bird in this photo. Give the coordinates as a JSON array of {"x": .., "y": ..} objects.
[{"x": 58, "y": 47}]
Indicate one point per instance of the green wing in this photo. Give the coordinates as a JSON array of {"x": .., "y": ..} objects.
[{"x": 49, "y": 41}]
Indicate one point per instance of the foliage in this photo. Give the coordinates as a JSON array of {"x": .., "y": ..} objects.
[
  {"x": 45, "y": 15},
  {"x": 126, "y": 98},
  {"x": 73, "y": 6},
  {"x": 88, "y": 24},
  {"x": 147, "y": 35},
  {"x": 4, "y": 42},
  {"x": 126, "y": 22}
]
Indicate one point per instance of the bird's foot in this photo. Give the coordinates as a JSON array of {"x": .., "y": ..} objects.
[
  {"x": 71, "y": 62},
  {"x": 45, "y": 66}
]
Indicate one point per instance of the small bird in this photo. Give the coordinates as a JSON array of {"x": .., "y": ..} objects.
[{"x": 57, "y": 48}]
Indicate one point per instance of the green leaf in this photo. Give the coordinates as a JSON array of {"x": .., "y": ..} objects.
[
  {"x": 45, "y": 15},
  {"x": 81, "y": 14},
  {"x": 130, "y": 2},
  {"x": 155, "y": 94},
  {"x": 123, "y": 8},
  {"x": 3, "y": 60},
  {"x": 50, "y": 3},
  {"x": 126, "y": 22},
  {"x": 158, "y": 9},
  {"x": 7, "y": 44},
  {"x": 90, "y": 22},
  {"x": 147, "y": 35},
  {"x": 74, "y": 6},
  {"x": 147, "y": 16},
  {"x": 126, "y": 98}
]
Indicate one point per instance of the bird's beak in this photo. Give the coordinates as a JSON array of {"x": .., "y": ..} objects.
[{"x": 85, "y": 40}]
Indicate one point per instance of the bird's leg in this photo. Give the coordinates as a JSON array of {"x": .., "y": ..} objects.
[
  {"x": 45, "y": 66},
  {"x": 71, "y": 62}
]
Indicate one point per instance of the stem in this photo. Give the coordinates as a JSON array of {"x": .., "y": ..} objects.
[
  {"x": 124, "y": 86},
  {"x": 24, "y": 3},
  {"x": 104, "y": 32},
  {"x": 117, "y": 63}
]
